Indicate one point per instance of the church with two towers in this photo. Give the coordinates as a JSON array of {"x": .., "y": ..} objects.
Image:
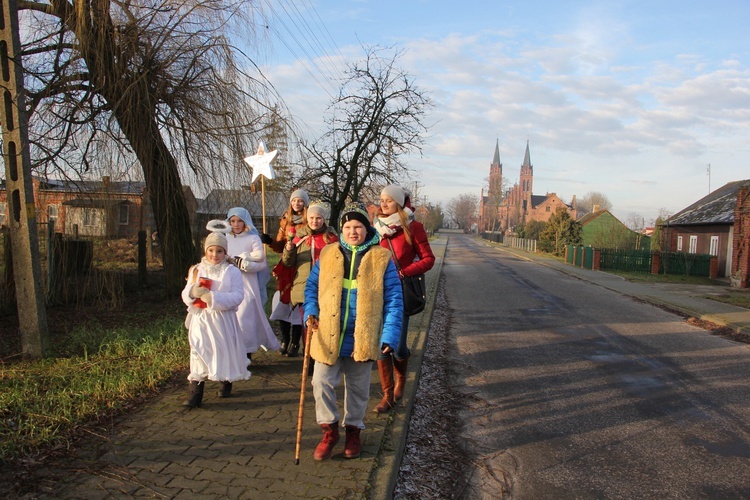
[{"x": 504, "y": 208}]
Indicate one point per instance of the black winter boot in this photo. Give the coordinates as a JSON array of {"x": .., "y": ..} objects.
[
  {"x": 226, "y": 390},
  {"x": 285, "y": 329},
  {"x": 195, "y": 394},
  {"x": 296, "y": 337}
]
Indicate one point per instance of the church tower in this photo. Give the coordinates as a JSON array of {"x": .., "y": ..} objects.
[
  {"x": 496, "y": 175},
  {"x": 527, "y": 178}
]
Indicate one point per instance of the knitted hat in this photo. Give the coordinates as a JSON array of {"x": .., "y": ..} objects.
[
  {"x": 319, "y": 207},
  {"x": 302, "y": 195},
  {"x": 215, "y": 239},
  {"x": 355, "y": 211},
  {"x": 396, "y": 193},
  {"x": 218, "y": 228}
]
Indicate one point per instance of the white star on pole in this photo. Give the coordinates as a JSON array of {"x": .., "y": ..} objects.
[{"x": 260, "y": 162}]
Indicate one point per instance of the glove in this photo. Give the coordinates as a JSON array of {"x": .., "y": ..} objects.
[
  {"x": 267, "y": 240},
  {"x": 208, "y": 300},
  {"x": 237, "y": 261},
  {"x": 198, "y": 291}
]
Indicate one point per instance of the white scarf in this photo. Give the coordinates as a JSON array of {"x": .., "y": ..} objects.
[
  {"x": 214, "y": 271},
  {"x": 389, "y": 224}
]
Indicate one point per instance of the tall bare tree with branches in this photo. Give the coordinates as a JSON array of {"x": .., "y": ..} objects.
[
  {"x": 377, "y": 118},
  {"x": 154, "y": 83}
]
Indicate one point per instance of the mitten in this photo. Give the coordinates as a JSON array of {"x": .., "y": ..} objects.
[
  {"x": 237, "y": 261},
  {"x": 208, "y": 299},
  {"x": 267, "y": 240},
  {"x": 198, "y": 291}
]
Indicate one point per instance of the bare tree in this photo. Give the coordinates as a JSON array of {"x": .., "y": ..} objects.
[
  {"x": 377, "y": 117},
  {"x": 593, "y": 199},
  {"x": 157, "y": 82},
  {"x": 462, "y": 210},
  {"x": 635, "y": 222},
  {"x": 495, "y": 189}
]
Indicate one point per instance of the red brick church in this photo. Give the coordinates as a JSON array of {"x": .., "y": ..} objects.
[{"x": 502, "y": 209}]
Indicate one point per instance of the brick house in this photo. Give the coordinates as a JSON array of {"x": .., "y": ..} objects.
[
  {"x": 741, "y": 238},
  {"x": 105, "y": 208},
  {"x": 717, "y": 224}
]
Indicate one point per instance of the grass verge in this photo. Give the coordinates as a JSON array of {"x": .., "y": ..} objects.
[{"x": 43, "y": 402}]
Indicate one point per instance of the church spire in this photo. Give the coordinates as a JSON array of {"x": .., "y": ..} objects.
[
  {"x": 527, "y": 156},
  {"x": 496, "y": 158}
]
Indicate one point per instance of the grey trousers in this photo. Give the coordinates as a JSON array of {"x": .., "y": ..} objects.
[{"x": 356, "y": 377}]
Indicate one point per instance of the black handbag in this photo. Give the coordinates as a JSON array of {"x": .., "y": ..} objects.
[{"x": 414, "y": 288}]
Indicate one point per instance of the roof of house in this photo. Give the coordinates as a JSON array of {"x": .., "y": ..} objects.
[
  {"x": 219, "y": 201},
  {"x": 715, "y": 208},
  {"x": 78, "y": 186},
  {"x": 538, "y": 199},
  {"x": 94, "y": 203},
  {"x": 589, "y": 217}
]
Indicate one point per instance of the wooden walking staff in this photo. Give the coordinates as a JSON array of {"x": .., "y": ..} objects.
[
  {"x": 312, "y": 324},
  {"x": 260, "y": 162}
]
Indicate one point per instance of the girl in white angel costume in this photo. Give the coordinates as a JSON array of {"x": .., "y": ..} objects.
[
  {"x": 212, "y": 294},
  {"x": 246, "y": 251}
]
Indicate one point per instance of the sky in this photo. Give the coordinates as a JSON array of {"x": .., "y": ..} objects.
[{"x": 647, "y": 103}]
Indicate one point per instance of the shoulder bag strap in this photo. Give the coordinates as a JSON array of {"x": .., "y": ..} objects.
[{"x": 395, "y": 259}]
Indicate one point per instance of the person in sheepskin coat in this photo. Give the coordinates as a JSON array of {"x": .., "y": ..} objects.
[
  {"x": 354, "y": 307},
  {"x": 246, "y": 252}
]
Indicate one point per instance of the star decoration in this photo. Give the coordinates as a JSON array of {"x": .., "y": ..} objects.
[{"x": 260, "y": 162}]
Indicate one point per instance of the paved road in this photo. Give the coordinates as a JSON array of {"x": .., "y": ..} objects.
[{"x": 577, "y": 391}]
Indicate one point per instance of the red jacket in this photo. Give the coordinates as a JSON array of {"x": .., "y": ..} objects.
[{"x": 413, "y": 259}]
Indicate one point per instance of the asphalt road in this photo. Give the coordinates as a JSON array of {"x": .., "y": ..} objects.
[{"x": 575, "y": 391}]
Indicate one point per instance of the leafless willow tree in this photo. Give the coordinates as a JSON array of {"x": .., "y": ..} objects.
[
  {"x": 150, "y": 83},
  {"x": 377, "y": 118}
]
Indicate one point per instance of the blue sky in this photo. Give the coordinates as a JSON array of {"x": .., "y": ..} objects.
[{"x": 631, "y": 99}]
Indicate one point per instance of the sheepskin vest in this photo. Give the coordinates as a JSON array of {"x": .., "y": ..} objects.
[{"x": 368, "y": 325}]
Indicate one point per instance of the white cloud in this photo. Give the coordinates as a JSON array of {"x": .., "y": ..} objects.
[{"x": 608, "y": 102}]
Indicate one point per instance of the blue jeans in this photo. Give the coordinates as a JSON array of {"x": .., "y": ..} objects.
[{"x": 402, "y": 351}]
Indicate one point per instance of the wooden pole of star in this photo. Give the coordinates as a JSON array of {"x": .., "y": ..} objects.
[{"x": 263, "y": 200}]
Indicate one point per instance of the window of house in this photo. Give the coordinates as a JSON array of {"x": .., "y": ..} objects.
[
  {"x": 88, "y": 217},
  {"x": 3, "y": 208},
  {"x": 714, "y": 248},
  {"x": 52, "y": 212},
  {"x": 124, "y": 213},
  {"x": 548, "y": 208},
  {"x": 693, "y": 244},
  {"x": 679, "y": 243}
]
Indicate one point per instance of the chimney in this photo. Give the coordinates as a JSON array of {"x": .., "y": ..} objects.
[{"x": 596, "y": 209}]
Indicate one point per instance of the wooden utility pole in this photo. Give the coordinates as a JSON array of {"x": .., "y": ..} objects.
[{"x": 27, "y": 268}]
